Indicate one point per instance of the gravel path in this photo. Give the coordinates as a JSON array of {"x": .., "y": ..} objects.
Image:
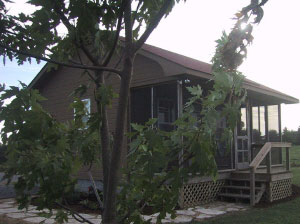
[{"x": 9, "y": 209}]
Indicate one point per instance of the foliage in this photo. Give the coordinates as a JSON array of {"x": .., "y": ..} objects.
[
  {"x": 291, "y": 136},
  {"x": 155, "y": 172},
  {"x": 42, "y": 151},
  {"x": 154, "y": 179},
  {"x": 41, "y": 33},
  {"x": 2, "y": 153}
]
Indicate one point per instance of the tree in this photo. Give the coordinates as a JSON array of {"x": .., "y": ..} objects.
[
  {"x": 291, "y": 136},
  {"x": 90, "y": 45}
]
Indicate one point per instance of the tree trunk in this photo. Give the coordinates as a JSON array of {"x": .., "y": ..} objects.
[
  {"x": 109, "y": 215},
  {"x": 103, "y": 135}
]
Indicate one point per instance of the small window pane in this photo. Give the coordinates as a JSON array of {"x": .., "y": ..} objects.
[
  {"x": 242, "y": 125},
  {"x": 245, "y": 156},
  {"x": 87, "y": 105},
  {"x": 240, "y": 144},
  {"x": 240, "y": 157},
  {"x": 273, "y": 123},
  {"x": 262, "y": 122}
]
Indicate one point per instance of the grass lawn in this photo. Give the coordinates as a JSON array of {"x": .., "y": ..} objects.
[{"x": 281, "y": 213}]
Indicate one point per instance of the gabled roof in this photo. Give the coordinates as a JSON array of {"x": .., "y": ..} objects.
[
  {"x": 179, "y": 59},
  {"x": 199, "y": 69},
  {"x": 203, "y": 67}
]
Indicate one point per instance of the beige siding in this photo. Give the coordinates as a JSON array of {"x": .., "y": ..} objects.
[{"x": 58, "y": 86}]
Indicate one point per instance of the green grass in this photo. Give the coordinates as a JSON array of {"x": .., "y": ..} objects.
[
  {"x": 296, "y": 175},
  {"x": 295, "y": 156},
  {"x": 282, "y": 213},
  {"x": 295, "y": 163}
]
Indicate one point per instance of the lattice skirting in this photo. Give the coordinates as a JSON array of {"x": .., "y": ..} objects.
[
  {"x": 280, "y": 189},
  {"x": 199, "y": 193}
]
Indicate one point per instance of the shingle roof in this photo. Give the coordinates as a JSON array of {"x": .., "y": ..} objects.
[
  {"x": 198, "y": 66},
  {"x": 191, "y": 63},
  {"x": 182, "y": 60}
]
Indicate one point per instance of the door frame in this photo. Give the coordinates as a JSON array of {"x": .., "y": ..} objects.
[{"x": 243, "y": 165}]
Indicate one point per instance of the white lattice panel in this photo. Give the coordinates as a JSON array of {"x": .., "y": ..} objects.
[
  {"x": 280, "y": 189},
  {"x": 199, "y": 193}
]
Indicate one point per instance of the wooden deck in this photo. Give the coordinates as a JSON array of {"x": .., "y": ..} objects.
[
  {"x": 272, "y": 182},
  {"x": 257, "y": 183}
]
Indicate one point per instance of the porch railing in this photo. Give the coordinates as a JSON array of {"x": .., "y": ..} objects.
[{"x": 265, "y": 152}]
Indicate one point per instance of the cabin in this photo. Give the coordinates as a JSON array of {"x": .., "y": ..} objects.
[{"x": 256, "y": 167}]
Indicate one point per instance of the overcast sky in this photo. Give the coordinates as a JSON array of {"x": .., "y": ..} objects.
[{"x": 192, "y": 28}]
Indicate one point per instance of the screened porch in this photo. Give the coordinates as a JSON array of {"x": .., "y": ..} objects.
[{"x": 260, "y": 121}]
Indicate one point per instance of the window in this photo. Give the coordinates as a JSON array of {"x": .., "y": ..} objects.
[{"x": 87, "y": 110}]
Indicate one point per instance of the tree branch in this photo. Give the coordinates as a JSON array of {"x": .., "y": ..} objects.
[
  {"x": 100, "y": 68},
  {"x": 153, "y": 24},
  {"x": 62, "y": 16},
  {"x": 71, "y": 28},
  {"x": 128, "y": 26},
  {"x": 104, "y": 136},
  {"x": 88, "y": 54},
  {"x": 120, "y": 19},
  {"x": 74, "y": 213},
  {"x": 95, "y": 189},
  {"x": 136, "y": 10}
]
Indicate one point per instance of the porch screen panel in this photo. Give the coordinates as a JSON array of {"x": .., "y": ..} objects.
[
  {"x": 273, "y": 132},
  {"x": 258, "y": 125},
  {"x": 258, "y": 130},
  {"x": 242, "y": 125},
  {"x": 165, "y": 105},
  {"x": 223, "y": 154},
  {"x": 255, "y": 125},
  {"x": 140, "y": 105},
  {"x": 262, "y": 123}
]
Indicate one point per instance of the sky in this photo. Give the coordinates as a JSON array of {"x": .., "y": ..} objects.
[{"x": 192, "y": 28}]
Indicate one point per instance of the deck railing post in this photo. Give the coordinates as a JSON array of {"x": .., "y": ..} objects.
[
  {"x": 287, "y": 157},
  {"x": 252, "y": 186},
  {"x": 269, "y": 162}
]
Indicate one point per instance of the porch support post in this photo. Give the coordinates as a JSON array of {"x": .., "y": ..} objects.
[
  {"x": 152, "y": 102},
  {"x": 288, "y": 164},
  {"x": 269, "y": 162},
  {"x": 252, "y": 186},
  {"x": 179, "y": 98},
  {"x": 266, "y": 123},
  {"x": 249, "y": 126},
  {"x": 280, "y": 133},
  {"x": 279, "y": 122},
  {"x": 179, "y": 112},
  {"x": 235, "y": 148}
]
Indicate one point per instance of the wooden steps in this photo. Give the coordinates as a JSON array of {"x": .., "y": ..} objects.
[
  {"x": 243, "y": 196},
  {"x": 240, "y": 187},
  {"x": 237, "y": 188}
]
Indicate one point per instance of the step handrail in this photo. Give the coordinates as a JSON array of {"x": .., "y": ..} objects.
[
  {"x": 261, "y": 155},
  {"x": 264, "y": 152}
]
